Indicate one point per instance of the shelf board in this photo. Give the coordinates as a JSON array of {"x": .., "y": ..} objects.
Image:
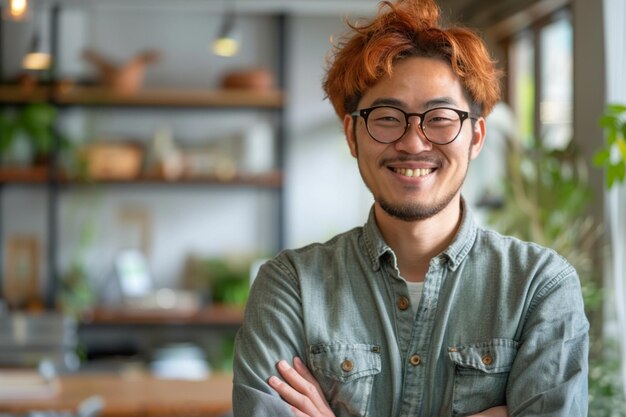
[
  {"x": 216, "y": 314},
  {"x": 271, "y": 179},
  {"x": 149, "y": 97},
  {"x": 16, "y": 94},
  {"x": 30, "y": 175},
  {"x": 39, "y": 175}
]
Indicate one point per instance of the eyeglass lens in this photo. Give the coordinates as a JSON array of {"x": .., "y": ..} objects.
[{"x": 387, "y": 124}]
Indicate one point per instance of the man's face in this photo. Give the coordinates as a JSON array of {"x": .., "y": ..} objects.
[{"x": 413, "y": 179}]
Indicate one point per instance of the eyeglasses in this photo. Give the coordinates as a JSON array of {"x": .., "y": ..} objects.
[{"x": 387, "y": 124}]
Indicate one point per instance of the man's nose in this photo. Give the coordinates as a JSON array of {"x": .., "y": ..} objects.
[{"x": 413, "y": 141}]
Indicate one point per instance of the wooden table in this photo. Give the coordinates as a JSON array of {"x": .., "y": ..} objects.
[{"x": 135, "y": 394}]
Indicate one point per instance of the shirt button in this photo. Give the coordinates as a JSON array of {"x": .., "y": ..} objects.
[
  {"x": 403, "y": 303},
  {"x": 347, "y": 365},
  {"x": 415, "y": 360},
  {"x": 487, "y": 360}
]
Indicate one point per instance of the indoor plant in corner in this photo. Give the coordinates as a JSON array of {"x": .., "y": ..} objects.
[
  {"x": 612, "y": 156},
  {"x": 545, "y": 200}
]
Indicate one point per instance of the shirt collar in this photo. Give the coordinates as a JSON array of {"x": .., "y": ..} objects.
[{"x": 455, "y": 253}]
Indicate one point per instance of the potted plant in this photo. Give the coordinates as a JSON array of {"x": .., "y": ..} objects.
[{"x": 27, "y": 134}]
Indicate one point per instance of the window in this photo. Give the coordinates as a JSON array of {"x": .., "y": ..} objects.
[{"x": 540, "y": 79}]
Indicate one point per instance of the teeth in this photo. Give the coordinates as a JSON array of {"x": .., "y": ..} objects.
[{"x": 408, "y": 172}]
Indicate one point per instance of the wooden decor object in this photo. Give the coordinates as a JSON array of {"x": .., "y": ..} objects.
[
  {"x": 257, "y": 79},
  {"x": 113, "y": 160},
  {"x": 126, "y": 78}
]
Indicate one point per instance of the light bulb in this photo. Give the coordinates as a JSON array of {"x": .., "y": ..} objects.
[
  {"x": 36, "y": 61},
  {"x": 18, "y": 9},
  {"x": 225, "y": 47}
]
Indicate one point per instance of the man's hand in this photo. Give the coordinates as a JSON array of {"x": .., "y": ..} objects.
[
  {"x": 301, "y": 390},
  {"x": 501, "y": 411},
  {"x": 304, "y": 394}
]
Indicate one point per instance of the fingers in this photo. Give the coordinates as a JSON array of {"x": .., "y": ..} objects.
[
  {"x": 300, "y": 389},
  {"x": 300, "y": 403},
  {"x": 306, "y": 374},
  {"x": 501, "y": 411},
  {"x": 312, "y": 387}
]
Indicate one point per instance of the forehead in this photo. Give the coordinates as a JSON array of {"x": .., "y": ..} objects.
[{"x": 418, "y": 83}]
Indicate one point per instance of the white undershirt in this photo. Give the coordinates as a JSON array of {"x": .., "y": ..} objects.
[{"x": 415, "y": 293}]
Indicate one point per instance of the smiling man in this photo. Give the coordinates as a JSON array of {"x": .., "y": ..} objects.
[{"x": 420, "y": 312}]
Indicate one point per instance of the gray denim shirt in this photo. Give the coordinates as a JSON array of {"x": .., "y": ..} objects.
[{"x": 500, "y": 322}]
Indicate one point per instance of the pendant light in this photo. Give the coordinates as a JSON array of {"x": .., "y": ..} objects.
[
  {"x": 17, "y": 10},
  {"x": 227, "y": 42},
  {"x": 37, "y": 58}
]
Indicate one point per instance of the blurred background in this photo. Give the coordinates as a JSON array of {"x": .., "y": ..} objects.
[{"x": 154, "y": 153}]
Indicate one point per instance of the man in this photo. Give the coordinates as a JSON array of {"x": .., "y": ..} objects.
[{"x": 420, "y": 312}]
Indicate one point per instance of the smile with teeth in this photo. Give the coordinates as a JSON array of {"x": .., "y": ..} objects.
[{"x": 408, "y": 172}]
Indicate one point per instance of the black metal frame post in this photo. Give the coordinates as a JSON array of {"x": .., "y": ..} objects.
[
  {"x": 53, "y": 180},
  {"x": 281, "y": 133}
]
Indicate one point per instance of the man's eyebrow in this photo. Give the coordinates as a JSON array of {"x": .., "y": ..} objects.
[
  {"x": 435, "y": 102},
  {"x": 440, "y": 101},
  {"x": 385, "y": 101}
]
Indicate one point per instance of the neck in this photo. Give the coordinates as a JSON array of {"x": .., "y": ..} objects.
[{"x": 416, "y": 243}]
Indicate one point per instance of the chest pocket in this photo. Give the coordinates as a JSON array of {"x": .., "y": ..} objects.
[
  {"x": 481, "y": 374},
  {"x": 346, "y": 374}
]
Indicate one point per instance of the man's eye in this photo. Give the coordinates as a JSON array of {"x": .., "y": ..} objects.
[
  {"x": 387, "y": 119},
  {"x": 439, "y": 120}
]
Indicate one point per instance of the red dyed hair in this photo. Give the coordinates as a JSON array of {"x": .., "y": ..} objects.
[{"x": 408, "y": 28}]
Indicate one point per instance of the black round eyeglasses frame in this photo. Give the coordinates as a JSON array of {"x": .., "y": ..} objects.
[{"x": 463, "y": 115}]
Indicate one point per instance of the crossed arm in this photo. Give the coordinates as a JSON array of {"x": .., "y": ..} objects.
[{"x": 304, "y": 395}]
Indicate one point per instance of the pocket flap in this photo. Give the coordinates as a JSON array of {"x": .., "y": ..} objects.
[
  {"x": 493, "y": 356},
  {"x": 345, "y": 362}
]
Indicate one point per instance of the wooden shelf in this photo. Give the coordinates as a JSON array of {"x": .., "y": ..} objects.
[
  {"x": 30, "y": 175},
  {"x": 271, "y": 179},
  {"x": 37, "y": 175},
  {"x": 15, "y": 94},
  {"x": 212, "y": 315},
  {"x": 149, "y": 97}
]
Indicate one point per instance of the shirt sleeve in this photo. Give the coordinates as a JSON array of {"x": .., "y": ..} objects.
[
  {"x": 272, "y": 330},
  {"x": 549, "y": 374}
]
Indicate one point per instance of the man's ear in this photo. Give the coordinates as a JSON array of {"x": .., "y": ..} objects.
[
  {"x": 349, "y": 130},
  {"x": 478, "y": 137}
]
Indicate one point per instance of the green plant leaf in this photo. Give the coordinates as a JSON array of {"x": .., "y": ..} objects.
[
  {"x": 621, "y": 145},
  {"x": 601, "y": 157},
  {"x": 616, "y": 108},
  {"x": 37, "y": 121},
  {"x": 7, "y": 134},
  {"x": 615, "y": 172},
  {"x": 620, "y": 171},
  {"x": 611, "y": 136},
  {"x": 608, "y": 122}
]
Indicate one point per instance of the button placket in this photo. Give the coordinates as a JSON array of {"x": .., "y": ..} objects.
[
  {"x": 415, "y": 360},
  {"x": 403, "y": 303}
]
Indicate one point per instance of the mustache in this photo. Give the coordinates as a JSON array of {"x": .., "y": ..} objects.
[{"x": 432, "y": 159}]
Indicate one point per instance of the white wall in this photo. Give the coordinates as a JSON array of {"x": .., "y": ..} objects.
[
  {"x": 324, "y": 194},
  {"x": 323, "y": 189}
]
